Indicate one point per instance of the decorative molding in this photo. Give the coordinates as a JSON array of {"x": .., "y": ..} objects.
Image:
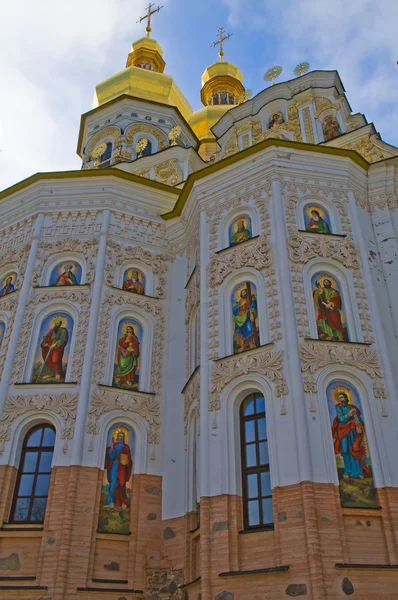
[
  {"x": 168, "y": 172},
  {"x": 20, "y": 258},
  {"x": 309, "y": 134},
  {"x": 324, "y": 104},
  {"x": 309, "y": 385},
  {"x": 117, "y": 254},
  {"x": 112, "y": 131},
  {"x": 85, "y": 248},
  {"x": 256, "y": 254},
  {"x": 63, "y": 405},
  {"x": 191, "y": 396},
  {"x": 105, "y": 401},
  {"x": 264, "y": 362},
  {"x": 15, "y": 236},
  {"x": 303, "y": 247},
  {"x": 9, "y": 305},
  {"x": 148, "y": 305},
  {"x": 317, "y": 355},
  {"x": 368, "y": 149},
  {"x": 41, "y": 297},
  {"x": 71, "y": 223},
  {"x": 131, "y": 130},
  {"x": 192, "y": 300}
]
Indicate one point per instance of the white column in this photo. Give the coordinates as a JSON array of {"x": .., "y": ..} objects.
[
  {"x": 23, "y": 299},
  {"x": 204, "y": 471},
  {"x": 374, "y": 310},
  {"x": 291, "y": 342},
  {"x": 85, "y": 384}
]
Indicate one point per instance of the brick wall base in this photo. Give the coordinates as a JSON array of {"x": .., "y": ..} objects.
[{"x": 316, "y": 550}]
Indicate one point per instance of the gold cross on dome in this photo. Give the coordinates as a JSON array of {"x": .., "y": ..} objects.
[
  {"x": 220, "y": 41},
  {"x": 148, "y": 16}
]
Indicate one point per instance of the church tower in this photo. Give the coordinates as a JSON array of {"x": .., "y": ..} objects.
[{"x": 198, "y": 348}]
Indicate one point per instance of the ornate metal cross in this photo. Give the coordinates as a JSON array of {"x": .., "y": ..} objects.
[
  {"x": 148, "y": 16},
  {"x": 220, "y": 41}
]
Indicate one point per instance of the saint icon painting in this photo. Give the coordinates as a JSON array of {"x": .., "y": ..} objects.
[
  {"x": 246, "y": 333},
  {"x": 8, "y": 284},
  {"x": 52, "y": 353},
  {"x": 68, "y": 273},
  {"x": 134, "y": 281},
  {"x": 240, "y": 230},
  {"x": 331, "y": 128},
  {"x": 351, "y": 448},
  {"x": 316, "y": 219},
  {"x": 116, "y": 491},
  {"x": 127, "y": 360},
  {"x": 329, "y": 308}
]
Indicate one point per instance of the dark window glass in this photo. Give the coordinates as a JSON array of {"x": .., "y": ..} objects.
[
  {"x": 147, "y": 150},
  {"x": 257, "y": 493},
  {"x": 107, "y": 154},
  {"x": 33, "y": 480}
]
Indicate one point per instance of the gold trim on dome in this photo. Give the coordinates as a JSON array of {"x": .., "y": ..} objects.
[{"x": 218, "y": 83}]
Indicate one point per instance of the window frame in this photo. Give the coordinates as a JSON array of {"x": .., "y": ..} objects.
[
  {"x": 258, "y": 468},
  {"x": 39, "y": 450}
]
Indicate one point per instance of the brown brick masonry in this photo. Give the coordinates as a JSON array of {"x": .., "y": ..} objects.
[{"x": 316, "y": 550}]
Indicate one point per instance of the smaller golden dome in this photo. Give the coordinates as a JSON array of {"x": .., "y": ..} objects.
[
  {"x": 146, "y": 54},
  {"x": 222, "y": 85}
]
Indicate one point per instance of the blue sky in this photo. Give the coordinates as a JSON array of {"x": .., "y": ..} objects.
[{"x": 52, "y": 55}]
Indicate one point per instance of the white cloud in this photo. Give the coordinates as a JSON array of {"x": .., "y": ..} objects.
[{"x": 52, "y": 55}]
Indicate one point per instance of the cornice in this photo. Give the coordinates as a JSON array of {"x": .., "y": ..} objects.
[
  {"x": 112, "y": 172},
  {"x": 231, "y": 160}
]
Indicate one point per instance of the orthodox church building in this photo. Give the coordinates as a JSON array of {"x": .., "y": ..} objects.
[{"x": 198, "y": 348}]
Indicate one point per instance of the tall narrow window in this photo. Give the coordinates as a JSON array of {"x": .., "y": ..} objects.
[
  {"x": 147, "y": 151},
  {"x": 33, "y": 481},
  {"x": 257, "y": 494},
  {"x": 107, "y": 154}
]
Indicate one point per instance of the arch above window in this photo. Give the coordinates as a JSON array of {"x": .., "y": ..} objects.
[
  {"x": 256, "y": 482},
  {"x": 33, "y": 480}
]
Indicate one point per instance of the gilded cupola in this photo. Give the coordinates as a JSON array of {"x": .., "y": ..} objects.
[{"x": 222, "y": 88}]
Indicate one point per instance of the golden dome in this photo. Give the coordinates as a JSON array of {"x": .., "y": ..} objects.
[
  {"x": 146, "y": 54},
  {"x": 143, "y": 78},
  {"x": 222, "y": 89}
]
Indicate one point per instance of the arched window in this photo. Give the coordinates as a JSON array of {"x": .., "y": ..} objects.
[
  {"x": 148, "y": 149},
  {"x": 107, "y": 154},
  {"x": 33, "y": 480},
  {"x": 256, "y": 482}
]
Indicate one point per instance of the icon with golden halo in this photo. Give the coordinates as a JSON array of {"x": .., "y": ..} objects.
[
  {"x": 352, "y": 454},
  {"x": 240, "y": 230},
  {"x": 277, "y": 118},
  {"x": 134, "y": 281},
  {"x": 8, "y": 284},
  {"x": 127, "y": 359},
  {"x": 66, "y": 274},
  {"x": 246, "y": 333},
  {"x": 116, "y": 491},
  {"x": 329, "y": 308},
  {"x": 52, "y": 354},
  {"x": 316, "y": 219}
]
